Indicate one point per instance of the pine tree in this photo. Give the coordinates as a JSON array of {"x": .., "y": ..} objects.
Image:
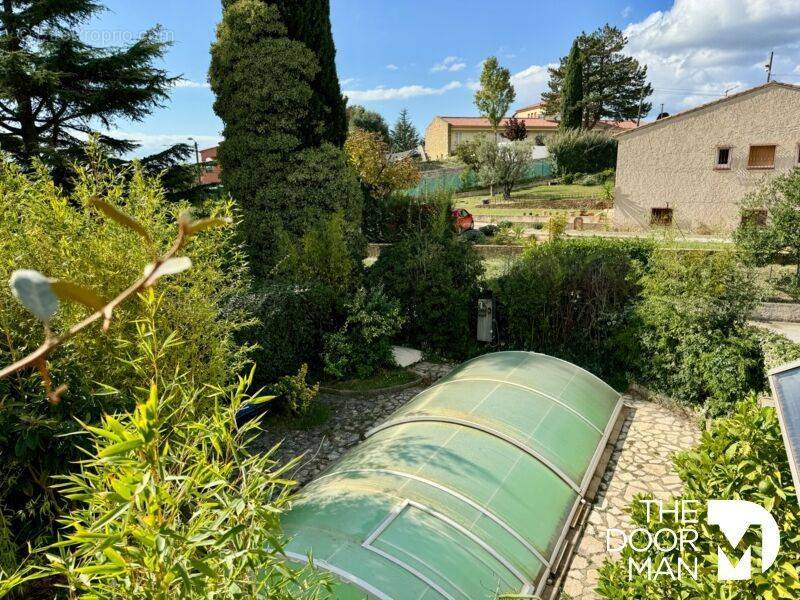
[
  {"x": 404, "y": 135},
  {"x": 308, "y": 21},
  {"x": 572, "y": 91},
  {"x": 76, "y": 86},
  {"x": 264, "y": 83},
  {"x": 613, "y": 83}
]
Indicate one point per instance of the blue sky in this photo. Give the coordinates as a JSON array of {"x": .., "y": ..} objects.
[{"x": 425, "y": 56}]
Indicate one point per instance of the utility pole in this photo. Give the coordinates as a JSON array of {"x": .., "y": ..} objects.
[{"x": 768, "y": 66}]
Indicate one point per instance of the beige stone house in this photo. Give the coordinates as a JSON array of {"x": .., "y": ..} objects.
[
  {"x": 444, "y": 134},
  {"x": 692, "y": 169},
  {"x": 533, "y": 111}
]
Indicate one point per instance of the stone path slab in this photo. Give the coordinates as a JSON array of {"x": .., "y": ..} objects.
[{"x": 641, "y": 463}]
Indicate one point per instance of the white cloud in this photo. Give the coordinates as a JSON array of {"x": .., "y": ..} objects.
[
  {"x": 627, "y": 12},
  {"x": 698, "y": 48},
  {"x": 450, "y": 63},
  {"x": 189, "y": 84},
  {"x": 400, "y": 93},
  {"x": 530, "y": 83},
  {"x": 392, "y": 67},
  {"x": 151, "y": 143},
  {"x": 348, "y": 81}
]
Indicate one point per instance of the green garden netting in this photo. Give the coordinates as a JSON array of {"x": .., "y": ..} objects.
[{"x": 466, "y": 492}]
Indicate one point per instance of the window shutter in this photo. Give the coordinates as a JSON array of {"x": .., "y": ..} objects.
[{"x": 761, "y": 157}]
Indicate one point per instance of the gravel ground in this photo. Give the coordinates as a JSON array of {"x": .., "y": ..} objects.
[{"x": 350, "y": 418}]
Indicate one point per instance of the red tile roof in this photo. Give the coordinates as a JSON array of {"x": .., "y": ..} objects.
[{"x": 529, "y": 123}]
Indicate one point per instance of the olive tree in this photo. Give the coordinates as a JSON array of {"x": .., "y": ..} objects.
[
  {"x": 771, "y": 225},
  {"x": 503, "y": 164}
]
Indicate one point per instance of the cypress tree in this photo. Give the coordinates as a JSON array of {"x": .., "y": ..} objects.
[
  {"x": 404, "y": 135},
  {"x": 264, "y": 83},
  {"x": 308, "y": 21},
  {"x": 572, "y": 91}
]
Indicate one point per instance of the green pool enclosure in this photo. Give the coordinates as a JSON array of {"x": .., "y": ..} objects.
[{"x": 479, "y": 486}]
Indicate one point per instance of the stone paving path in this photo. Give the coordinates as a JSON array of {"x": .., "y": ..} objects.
[
  {"x": 350, "y": 418},
  {"x": 640, "y": 463}
]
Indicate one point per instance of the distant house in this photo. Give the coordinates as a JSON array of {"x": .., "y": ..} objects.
[
  {"x": 444, "y": 134},
  {"x": 532, "y": 111},
  {"x": 693, "y": 168},
  {"x": 209, "y": 167}
]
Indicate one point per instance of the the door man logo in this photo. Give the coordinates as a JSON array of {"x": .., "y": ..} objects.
[
  {"x": 734, "y": 517},
  {"x": 672, "y": 551}
]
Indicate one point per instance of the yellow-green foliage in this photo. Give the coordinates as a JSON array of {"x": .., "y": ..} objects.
[
  {"x": 740, "y": 457},
  {"x": 169, "y": 502},
  {"x": 65, "y": 237}
]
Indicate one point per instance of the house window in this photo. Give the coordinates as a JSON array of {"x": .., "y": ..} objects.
[
  {"x": 457, "y": 139},
  {"x": 661, "y": 216},
  {"x": 754, "y": 217},
  {"x": 723, "y": 158},
  {"x": 761, "y": 157}
]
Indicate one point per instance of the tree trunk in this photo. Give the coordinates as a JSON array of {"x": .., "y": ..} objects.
[{"x": 25, "y": 116}]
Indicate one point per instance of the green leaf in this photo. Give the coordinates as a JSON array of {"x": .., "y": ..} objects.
[
  {"x": 115, "y": 214},
  {"x": 35, "y": 292},
  {"x": 115, "y": 557},
  {"x": 67, "y": 290},
  {"x": 203, "y": 224},
  {"x": 201, "y": 566},
  {"x": 120, "y": 448}
]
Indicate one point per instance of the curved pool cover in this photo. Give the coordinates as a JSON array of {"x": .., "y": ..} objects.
[{"x": 477, "y": 487}]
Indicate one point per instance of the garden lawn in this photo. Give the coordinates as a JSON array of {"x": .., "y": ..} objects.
[
  {"x": 383, "y": 379},
  {"x": 538, "y": 196}
]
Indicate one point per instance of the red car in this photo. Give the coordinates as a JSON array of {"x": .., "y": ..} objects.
[{"x": 463, "y": 220}]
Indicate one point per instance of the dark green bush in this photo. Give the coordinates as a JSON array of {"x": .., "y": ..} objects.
[
  {"x": 391, "y": 218},
  {"x": 292, "y": 322},
  {"x": 695, "y": 343},
  {"x": 434, "y": 275},
  {"x": 578, "y": 151},
  {"x": 364, "y": 343},
  {"x": 575, "y": 299}
]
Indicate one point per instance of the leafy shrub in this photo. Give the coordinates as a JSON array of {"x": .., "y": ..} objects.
[
  {"x": 303, "y": 302},
  {"x": 777, "y": 349},
  {"x": 167, "y": 495},
  {"x": 760, "y": 242},
  {"x": 290, "y": 324},
  {"x": 581, "y": 151},
  {"x": 389, "y": 219},
  {"x": 575, "y": 299},
  {"x": 368, "y": 155},
  {"x": 67, "y": 237},
  {"x": 489, "y": 230},
  {"x": 296, "y": 393},
  {"x": 474, "y": 236},
  {"x": 434, "y": 275},
  {"x": 364, "y": 343},
  {"x": 696, "y": 346},
  {"x": 556, "y": 226},
  {"x": 739, "y": 458}
]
